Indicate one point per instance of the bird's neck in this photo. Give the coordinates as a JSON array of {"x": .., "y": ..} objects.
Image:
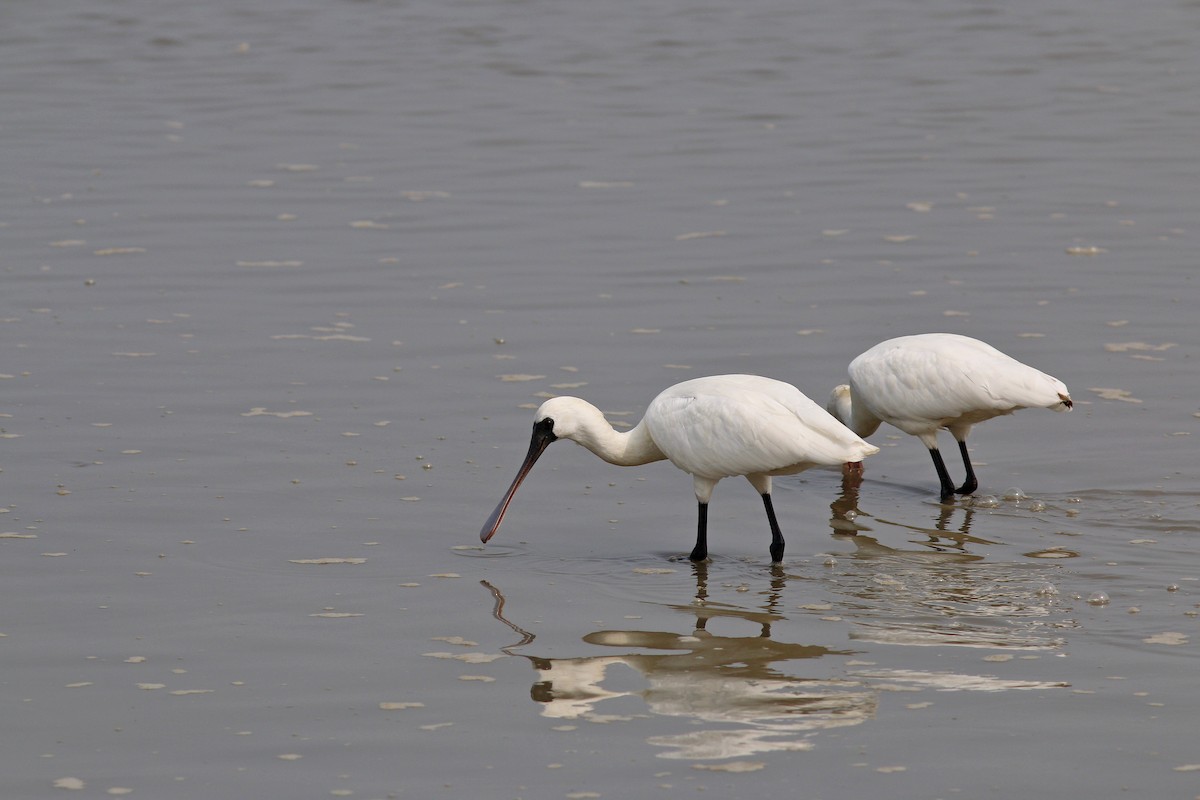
[
  {"x": 623, "y": 448},
  {"x": 855, "y": 416}
]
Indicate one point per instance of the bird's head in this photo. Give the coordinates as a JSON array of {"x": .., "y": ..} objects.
[
  {"x": 568, "y": 418},
  {"x": 557, "y": 418}
]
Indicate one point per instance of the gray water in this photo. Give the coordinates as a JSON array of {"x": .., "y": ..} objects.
[{"x": 283, "y": 282}]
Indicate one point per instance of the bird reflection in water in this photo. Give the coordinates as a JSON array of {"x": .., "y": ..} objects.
[
  {"x": 939, "y": 593},
  {"x": 741, "y": 681},
  {"x": 746, "y": 691},
  {"x": 846, "y": 519}
]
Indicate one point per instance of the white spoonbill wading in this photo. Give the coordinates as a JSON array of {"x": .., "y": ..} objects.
[
  {"x": 940, "y": 380},
  {"x": 711, "y": 428}
]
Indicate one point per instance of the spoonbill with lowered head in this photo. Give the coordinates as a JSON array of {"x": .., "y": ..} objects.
[
  {"x": 940, "y": 380},
  {"x": 711, "y": 428}
]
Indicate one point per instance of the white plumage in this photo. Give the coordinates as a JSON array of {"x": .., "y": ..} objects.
[
  {"x": 930, "y": 381},
  {"x": 711, "y": 428}
]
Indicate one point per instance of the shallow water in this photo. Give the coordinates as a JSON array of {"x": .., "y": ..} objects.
[{"x": 281, "y": 287}]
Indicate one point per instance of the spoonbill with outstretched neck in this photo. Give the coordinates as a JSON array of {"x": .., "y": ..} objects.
[
  {"x": 711, "y": 428},
  {"x": 940, "y": 380}
]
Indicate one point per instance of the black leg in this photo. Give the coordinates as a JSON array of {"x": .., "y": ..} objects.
[
  {"x": 777, "y": 543},
  {"x": 970, "y": 484},
  {"x": 943, "y": 475},
  {"x": 700, "y": 551}
]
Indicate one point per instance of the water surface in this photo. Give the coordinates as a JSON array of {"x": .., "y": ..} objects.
[{"x": 282, "y": 286}]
